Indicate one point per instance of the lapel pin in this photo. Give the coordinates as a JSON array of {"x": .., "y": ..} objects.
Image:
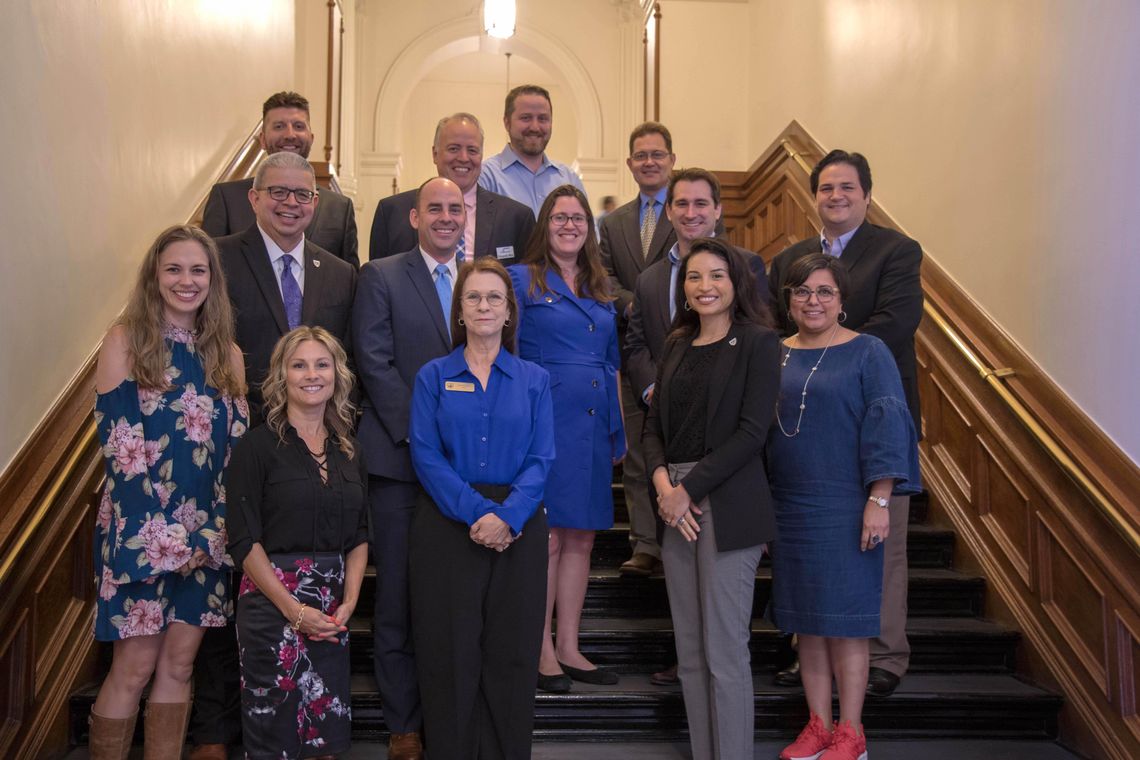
[
  {"x": 550, "y": 299},
  {"x": 732, "y": 342},
  {"x": 317, "y": 263}
]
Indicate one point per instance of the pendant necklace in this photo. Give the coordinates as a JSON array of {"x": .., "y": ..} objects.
[{"x": 803, "y": 393}]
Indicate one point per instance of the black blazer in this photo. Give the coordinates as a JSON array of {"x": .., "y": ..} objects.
[
  {"x": 885, "y": 298},
  {"x": 500, "y": 223},
  {"x": 259, "y": 313},
  {"x": 332, "y": 228},
  {"x": 743, "y": 387},
  {"x": 398, "y": 326},
  {"x": 649, "y": 321}
]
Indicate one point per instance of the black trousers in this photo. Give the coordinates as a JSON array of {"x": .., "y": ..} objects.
[
  {"x": 392, "y": 504},
  {"x": 479, "y": 613},
  {"x": 216, "y": 714}
]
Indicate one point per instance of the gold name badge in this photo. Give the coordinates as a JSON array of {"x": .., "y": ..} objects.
[{"x": 451, "y": 385}]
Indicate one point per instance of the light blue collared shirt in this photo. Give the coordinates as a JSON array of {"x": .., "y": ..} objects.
[
  {"x": 836, "y": 249},
  {"x": 507, "y": 175}
]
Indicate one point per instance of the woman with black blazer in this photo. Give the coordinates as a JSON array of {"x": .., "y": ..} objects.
[{"x": 704, "y": 440}]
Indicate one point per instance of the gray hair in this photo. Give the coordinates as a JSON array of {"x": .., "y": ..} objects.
[
  {"x": 282, "y": 160},
  {"x": 461, "y": 116}
]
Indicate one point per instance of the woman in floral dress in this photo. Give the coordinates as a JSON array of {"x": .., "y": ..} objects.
[
  {"x": 170, "y": 403},
  {"x": 299, "y": 531}
]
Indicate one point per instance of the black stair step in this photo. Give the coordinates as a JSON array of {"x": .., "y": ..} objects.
[
  {"x": 926, "y": 546},
  {"x": 645, "y": 645}
]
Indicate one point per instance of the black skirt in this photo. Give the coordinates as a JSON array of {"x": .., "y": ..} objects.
[{"x": 295, "y": 692}]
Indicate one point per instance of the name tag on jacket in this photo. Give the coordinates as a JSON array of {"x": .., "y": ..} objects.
[
  {"x": 505, "y": 252},
  {"x": 452, "y": 385}
]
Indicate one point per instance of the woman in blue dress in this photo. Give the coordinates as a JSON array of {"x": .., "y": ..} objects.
[
  {"x": 482, "y": 440},
  {"x": 843, "y": 444},
  {"x": 170, "y": 384},
  {"x": 567, "y": 326}
]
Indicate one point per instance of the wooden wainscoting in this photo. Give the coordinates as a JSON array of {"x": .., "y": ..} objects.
[{"x": 1063, "y": 558}]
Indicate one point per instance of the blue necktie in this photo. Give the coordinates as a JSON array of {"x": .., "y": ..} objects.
[
  {"x": 460, "y": 250},
  {"x": 290, "y": 293},
  {"x": 443, "y": 290}
]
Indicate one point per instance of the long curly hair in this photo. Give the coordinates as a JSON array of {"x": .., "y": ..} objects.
[
  {"x": 145, "y": 317},
  {"x": 339, "y": 411},
  {"x": 592, "y": 279}
]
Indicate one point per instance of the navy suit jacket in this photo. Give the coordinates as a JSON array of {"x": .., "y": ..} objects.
[
  {"x": 333, "y": 227},
  {"x": 500, "y": 223},
  {"x": 259, "y": 312},
  {"x": 398, "y": 327},
  {"x": 885, "y": 298},
  {"x": 649, "y": 323}
]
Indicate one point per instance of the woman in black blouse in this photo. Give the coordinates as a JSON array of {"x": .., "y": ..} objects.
[
  {"x": 704, "y": 440},
  {"x": 296, "y": 489}
]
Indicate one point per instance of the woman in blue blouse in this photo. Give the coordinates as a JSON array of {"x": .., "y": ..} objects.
[
  {"x": 481, "y": 436},
  {"x": 568, "y": 327}
]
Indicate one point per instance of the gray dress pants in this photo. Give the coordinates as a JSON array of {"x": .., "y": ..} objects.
[{"x": 710, "y": 596}]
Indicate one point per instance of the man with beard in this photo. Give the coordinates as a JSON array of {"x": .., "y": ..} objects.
[
  {"x": 523, "y": 171},
  {"x": 285, "y": 127}
]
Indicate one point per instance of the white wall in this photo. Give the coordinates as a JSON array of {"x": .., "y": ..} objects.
[
  {"x": 1004, "y": 136},
  {"x": 117, "y": 116}
]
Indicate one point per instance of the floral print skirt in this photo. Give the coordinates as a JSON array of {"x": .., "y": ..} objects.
[
  {"x": 147, "y": 607},
  {"x": 294, "y": 691}
]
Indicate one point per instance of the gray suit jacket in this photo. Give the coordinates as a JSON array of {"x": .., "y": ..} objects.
[
  {"x": 259, "y": 313},
  {"x": 500, "y": 223},
  {"x": 333, "y": 227},
  {"x": 621, "y": 251},
  {"x": 398, "y": 326}
]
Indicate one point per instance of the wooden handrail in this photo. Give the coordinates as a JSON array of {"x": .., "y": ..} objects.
[{"x": 994, "y": 378}]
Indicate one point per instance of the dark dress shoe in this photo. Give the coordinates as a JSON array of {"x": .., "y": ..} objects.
[
  {"x": 209, "y": 752},
  {"x": 789, "y": 676},
  {"x": 559, "y": 684},
  {"x": 597, "y": 676},
  {"x": 881, "y": 683},
  {"x": 640, "y": 565},
  {"x": 667, "y": 677}
]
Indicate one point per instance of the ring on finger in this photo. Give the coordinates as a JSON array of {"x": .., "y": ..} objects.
[
  {"x": 875, "y": 539},
  {"x": 681, "y": 520}
]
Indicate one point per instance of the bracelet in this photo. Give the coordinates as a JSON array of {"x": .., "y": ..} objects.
[{"x": 296, "y": 626}]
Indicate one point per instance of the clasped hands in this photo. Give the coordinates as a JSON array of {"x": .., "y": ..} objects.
[
  {"x": 492, "y": 532},
  {"x": 318, "y": 626},
  {"x": 678, "y": 510}
]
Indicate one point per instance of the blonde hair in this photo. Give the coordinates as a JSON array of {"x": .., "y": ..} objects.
[
  {"x": 339, "y": 412},
  {"x": 145, "y": 317}
]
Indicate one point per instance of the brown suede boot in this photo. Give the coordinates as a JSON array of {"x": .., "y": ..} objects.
[
  {"x": 164, "y": 730},
  {"x": 110, "y": 738}
]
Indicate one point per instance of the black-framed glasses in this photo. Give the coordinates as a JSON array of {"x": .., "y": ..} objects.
[
  {"x": 560, "y": 220},
  {"x": 303, "y": 195},
  {"x": 642, "y": 156},
  {"x": 824, "y": 293},
  {"x": 494, "y": 299}
]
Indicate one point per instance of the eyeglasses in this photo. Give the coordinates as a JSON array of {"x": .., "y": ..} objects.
[
  {"x": 279, "y": 193},
  {"x": 825, "y": 294},
  {"x": 559, "y": 220},
  {"x": 494, "y": 299},
  {"x": 642, "y": 156}
]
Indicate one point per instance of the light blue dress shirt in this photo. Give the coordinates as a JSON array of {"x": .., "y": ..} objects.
[
  {"x": 836, "y": 249},
  {"x": 507, "y": 175}
]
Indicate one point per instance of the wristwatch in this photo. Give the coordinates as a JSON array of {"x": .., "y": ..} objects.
[{"x": 881, "y": 501}]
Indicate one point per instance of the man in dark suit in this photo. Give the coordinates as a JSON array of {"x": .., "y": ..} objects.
[
  {"x": 285, "y": 127},
  {"x": 496, "y": 225},
  {"x": 884, "y": 300},
  {"x": 693, "y": 207},
  {"x": 276, "y": 280},
  {"x": 633, "y": 237},
  {"x": 400, "y": 322}
]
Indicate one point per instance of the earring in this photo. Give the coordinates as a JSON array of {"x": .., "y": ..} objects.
[
  {"x": 842, "y": 316},
  {"x": 688, "y": 307},
  {"x": 506, "y": 323},
  {"x": 460, "y": 321}
]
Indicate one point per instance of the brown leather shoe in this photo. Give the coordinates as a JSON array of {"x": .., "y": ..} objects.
[
  {"x": 405, "y": 746},
  {"x": 640, "y": 565},
  {"x": 666, "y": 677},
  {"x": 209, "y": 752}
]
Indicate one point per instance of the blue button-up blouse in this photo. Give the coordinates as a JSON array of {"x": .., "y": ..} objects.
[{"x": 461, "y": 433}]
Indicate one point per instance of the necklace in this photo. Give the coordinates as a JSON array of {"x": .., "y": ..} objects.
[{"x": 803, "y": 393}]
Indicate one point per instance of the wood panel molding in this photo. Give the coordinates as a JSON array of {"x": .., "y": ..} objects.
[{"x": 1061, "y": 567}]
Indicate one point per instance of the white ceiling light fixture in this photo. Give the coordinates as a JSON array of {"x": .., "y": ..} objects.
[{"x": 499, "y": 18}]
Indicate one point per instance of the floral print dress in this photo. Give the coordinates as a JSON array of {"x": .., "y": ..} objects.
[{"x": 164, "y": 454}]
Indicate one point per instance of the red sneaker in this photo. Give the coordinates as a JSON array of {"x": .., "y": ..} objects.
[
  {"x": 846, "y": 744},
  {"x": 811, "y": 743}
]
